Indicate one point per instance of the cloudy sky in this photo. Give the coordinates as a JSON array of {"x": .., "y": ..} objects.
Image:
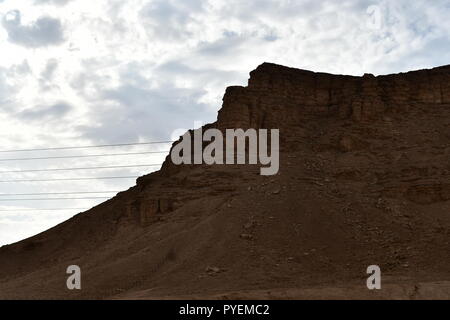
[{"x": 77, "y": 73}]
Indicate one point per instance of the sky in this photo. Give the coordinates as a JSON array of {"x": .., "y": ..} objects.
[{"x": 80, "y": 73}]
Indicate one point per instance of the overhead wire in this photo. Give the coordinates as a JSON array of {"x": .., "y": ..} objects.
[
  {"x": 74, "y": 193},
  {"x": 68, "y": 179},
  {"x": 82, "y": 168},
  {"x": 89, "y": 147},
  {"x": 47, "y": 199},
  {"x": 85, "y": 156}
]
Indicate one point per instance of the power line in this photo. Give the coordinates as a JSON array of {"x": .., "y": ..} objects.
[
  {"x": 50, "y": 209},
  {"x": 85, "y": 168},
  {"x": 87, "y": 156},
  {"x": 86, "y": 147},
  {"x": 70, "y": 179},
  {"x": 54, "y": 193},
  {"x": 41, "y": 199}
]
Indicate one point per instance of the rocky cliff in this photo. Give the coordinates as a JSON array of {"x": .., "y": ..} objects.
[
  {"x": 364, "y": 179},
  {"x": 280, "y": 97}
]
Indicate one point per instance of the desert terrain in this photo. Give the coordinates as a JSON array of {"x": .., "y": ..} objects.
[{"x": 364, "y": 180}]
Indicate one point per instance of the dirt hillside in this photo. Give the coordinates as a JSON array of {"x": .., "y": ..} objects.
[{"x": 364, "y": 179}]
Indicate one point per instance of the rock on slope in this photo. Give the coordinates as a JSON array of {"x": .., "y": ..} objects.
[{"x": 364, "y": 179}]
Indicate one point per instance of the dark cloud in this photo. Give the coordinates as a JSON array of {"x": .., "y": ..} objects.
[
  {"x": 226, "y": 45},
  {"x": 46, "y": 113},
  {"x": 258, "y": 10},
  {"x": 169, "y": 20},
  {"x": 202, "y": 75},
  {"x": 4, "y": 88},
  {"x": 20, "y": 69},
  {"x": 46, "y": 77},
  {"x": 45, "y": 31},
  {"x": 7, "y": 90},
  {"x": 434, "y": 52},
  {"x": 145, "y": 113},
  {"x": 50, "y": 68},
  {"x": 135, "y": 110}
]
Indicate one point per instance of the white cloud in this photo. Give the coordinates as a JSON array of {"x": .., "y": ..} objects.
[{"x": 55, "y": 2}]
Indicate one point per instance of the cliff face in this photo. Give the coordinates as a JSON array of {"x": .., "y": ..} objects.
[
  {"x": 281, "y": 97},
  {"x": 364, "y": 179}
]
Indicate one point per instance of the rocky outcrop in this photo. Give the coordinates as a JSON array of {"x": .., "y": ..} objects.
[
  {"x": 281, "y": 97},
  {"x": 146, "y": 210},
  {"x": 289, "y": 99},
  {"x": 364, "y": 179}
]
